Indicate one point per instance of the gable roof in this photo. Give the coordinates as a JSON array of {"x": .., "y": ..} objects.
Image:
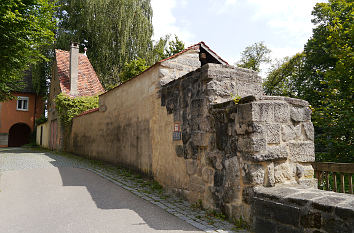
[
  {"x": 201, "y": 45},
  {"x": 88, "y": 82}
]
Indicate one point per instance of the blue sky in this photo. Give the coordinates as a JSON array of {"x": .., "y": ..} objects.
[{"x": 228, "y": 26}]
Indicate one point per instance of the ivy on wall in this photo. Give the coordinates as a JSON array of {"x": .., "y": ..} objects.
[{"x": 69, "y": 107}]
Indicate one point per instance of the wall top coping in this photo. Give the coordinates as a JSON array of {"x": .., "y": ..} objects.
[
  {"x": 214, "y": 66},
  {"x": 302, "y": 195},
  {"x": 293, "y": 101}
]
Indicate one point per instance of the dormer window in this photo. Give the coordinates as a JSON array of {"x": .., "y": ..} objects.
[{"x": 22, "y": 103}]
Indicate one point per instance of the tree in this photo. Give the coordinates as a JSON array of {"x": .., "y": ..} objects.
[
  {"x": 329, "y": 64},
  {"x": 132, "y": 69},
  {"x": 174, "y": 46},
  {"x": 25, "y": 27},
  {"x": 253, "y": 56},
  {"x": 323, "y": 75},
  {"x": 114, "y": 31},
  {"x": 165, "y": 47},
  {"x": 160, "y": 51},
  {"x": 286, "y": 77}
]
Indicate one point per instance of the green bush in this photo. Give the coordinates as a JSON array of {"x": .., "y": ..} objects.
[{"x": 69, "y": 107}]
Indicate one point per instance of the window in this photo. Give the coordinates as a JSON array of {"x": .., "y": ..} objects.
[{"x": 22, "y": 103}]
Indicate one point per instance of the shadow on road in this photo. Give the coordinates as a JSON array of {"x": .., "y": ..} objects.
[{"x": 108, "y": 195}]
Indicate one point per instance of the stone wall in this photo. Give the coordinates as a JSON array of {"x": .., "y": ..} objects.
[
  {"x": 230, "y": 148},
  {"x": 190, "y": 135},
  {"x": 300, "y": 209}
]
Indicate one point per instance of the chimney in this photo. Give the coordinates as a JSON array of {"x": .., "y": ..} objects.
[{"x": 74, "y": 68}]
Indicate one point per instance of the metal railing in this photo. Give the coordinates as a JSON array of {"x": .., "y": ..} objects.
[{"x": 337, "y": 177}]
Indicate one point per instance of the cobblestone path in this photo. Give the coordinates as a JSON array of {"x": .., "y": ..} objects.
[{"x": 19, "y": 158}]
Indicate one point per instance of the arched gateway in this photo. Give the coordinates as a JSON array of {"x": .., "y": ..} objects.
[{"x": 19, "y": 135}]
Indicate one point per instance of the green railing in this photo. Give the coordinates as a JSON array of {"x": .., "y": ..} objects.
[{"x": 337, "y": 177}]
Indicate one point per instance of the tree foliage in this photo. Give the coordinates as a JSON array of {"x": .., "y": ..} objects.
[
  {"x": 132, "y": 69},
  {"x": 253, "y": 56},
  {"x": 286, "y": 77},
  {"x": 25, "y": 27},
  {"x": 174, "y": 46},
  {"x": 330, "y": 64},
  {"x": 114, "y": 31},
  {"x": 323, "y": 75},
  {"x": 164, "y": 48}
]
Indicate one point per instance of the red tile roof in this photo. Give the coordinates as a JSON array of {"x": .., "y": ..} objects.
[{"x": 88, "y": 82}]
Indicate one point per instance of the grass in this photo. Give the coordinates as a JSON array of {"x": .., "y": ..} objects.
[{"x": 241, "y": 224}]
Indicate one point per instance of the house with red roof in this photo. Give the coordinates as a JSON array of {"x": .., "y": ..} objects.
[
  {"x": 17, "y": 116},
  {"x": 74, "y": 76}
]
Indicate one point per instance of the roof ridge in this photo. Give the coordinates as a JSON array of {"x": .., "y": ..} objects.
[{"x": 179, "y": 53}]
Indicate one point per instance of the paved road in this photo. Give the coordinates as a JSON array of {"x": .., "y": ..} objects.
[{"x": 41, "y": 192}]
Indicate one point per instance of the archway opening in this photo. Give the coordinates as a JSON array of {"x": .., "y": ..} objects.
[{"x": 19, "y": 135}]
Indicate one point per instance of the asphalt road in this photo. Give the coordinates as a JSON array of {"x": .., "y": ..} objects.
[{"x": 67, "y": 199}]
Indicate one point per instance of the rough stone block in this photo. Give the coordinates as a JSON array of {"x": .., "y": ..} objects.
[
  {"x": 262, "y": 111},
  {"x": 264, "y": 226},
  {"x": 197, "y": 184},
  {"x": 199, "y": 108},
  {"x": 302, "y": 151},
  {"x": 311, "y": 220},
  {"x": 282, "y": 173},
  {"x": 297, "y": 102},
  {"x": 253, "y": 174},
  {"x": 247, "y": 144},
  {"x": 190, "y": 150},
  {"x": 282, "y": 213},
  {"x": 311, "y": 183},
  {"x": 192, "y": 166},
  {"x": 299, "y": 114},
  {"x": 187, "y": 61},
  {"x": 200, "y": 139},
  {"x": 281, "y": 112},
  {"x": 333, "y": 225},
  {"x": 308, "y": 171},
  {"x": 272, "y": 153},
  {"x": 273, "y": 133},
  {"x": 327, "y": 203},
  {"x": 232, "y": 172},
  {"x": 287, "y": 229},
  {"x": 289, "y": 132},
  {"x": 255, "y": 128},
  {"x": 163, "y": 72},
  {"x": 287, "y": 214},
  {"x": 309, "y": 130},
  {"x": 244, "y": 112},
  {"x": 270, "y": 175},
  {"x": 173, "y": 65},
  {"x": 208, "y": 175},
  {"x": 299, "y": 170},
  {"x": 346, "y": 212},
  {"x": 179, "y": 151},
  {"x": 303, "y": 198},
  {"x": 240, "y": 128}
]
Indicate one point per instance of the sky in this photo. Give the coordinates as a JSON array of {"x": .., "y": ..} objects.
[{"x": 228, "y": 26}]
